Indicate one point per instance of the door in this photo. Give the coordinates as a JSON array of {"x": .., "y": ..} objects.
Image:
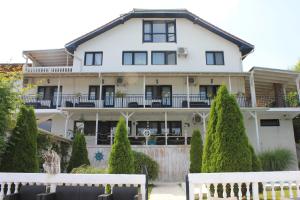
[
  {"x": 108, "y": 95},
  {"x": 166, "y": 96}
]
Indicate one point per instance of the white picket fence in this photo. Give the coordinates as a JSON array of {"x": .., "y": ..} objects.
[
  {"x": 200, "y": 184},
  {"x": 71, "y": 179}
]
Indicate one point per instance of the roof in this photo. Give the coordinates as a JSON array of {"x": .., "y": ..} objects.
[
  {"x": 244, "y": 46},
  {"x": 50, "y": 57}
]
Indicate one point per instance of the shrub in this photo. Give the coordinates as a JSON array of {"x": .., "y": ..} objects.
[
  {"x": 292, "y": 99},
  {"x": 196, "y": 152},
  {"x": 86, "y": 169},
  {"x": 21, "y": 152},
  {"x": 79, "y": 155},
  {"x": 226, "y": 148},
  {"x": 140, "y": 160},
  {"x": 121, "y": 157},
  {"x": 276, "y": 160}
]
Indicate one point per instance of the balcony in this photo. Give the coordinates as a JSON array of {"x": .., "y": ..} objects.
[
  {"x": 53, "y": 69},
  {"x": 126, "y": 101},
  {"x": 278, "y": 102}
]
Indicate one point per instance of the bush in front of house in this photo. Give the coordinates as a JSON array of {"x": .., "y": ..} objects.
[
  {"x": 140, "y": 160},
  {"x": 276, "y": 160},
  {"x": 87, "y": 169},
  {"x": 226, "y": 148},
  {"x": 79, "y": 155},
  {"x": 196, "y": 152},
  {"x": 21, "y": 152},
  {"x": 121, "y": 157}
]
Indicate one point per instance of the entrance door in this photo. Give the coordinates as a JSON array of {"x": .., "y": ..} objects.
[
  {"x": 108, "y": 95},
  {"x": 166, "y": 96}
]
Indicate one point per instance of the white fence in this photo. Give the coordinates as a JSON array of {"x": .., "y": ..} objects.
[
  {"x": 201, "y": 183},
  {"x": 54, "y": 69},
  {"x": 71, "y": 179}
]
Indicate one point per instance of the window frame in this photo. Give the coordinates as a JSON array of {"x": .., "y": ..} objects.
[
  {"x": 276, "y": 122},
  {"x": 214, "y": 56},
  {"x": 94, "y": 53},
  {"x": 133, "y": 57},
  {"x": 165, "y": 57},
  {"x": 166, "y": 22},
  {"x": 97, "y": 92}
]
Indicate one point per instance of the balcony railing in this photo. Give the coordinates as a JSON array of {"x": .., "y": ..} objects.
[
  {"x": 277, "y": 102},
  {"x": 54, "y": 69},
  {"x": 126, "y": 101}
]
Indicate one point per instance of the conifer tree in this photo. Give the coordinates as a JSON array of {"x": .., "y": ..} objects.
[
  {"x": 21, "y": 152},
  {"x": 79, "y": 155},
  {"x": 121, "y": 159},
  {"x": 196, "y": 152}
]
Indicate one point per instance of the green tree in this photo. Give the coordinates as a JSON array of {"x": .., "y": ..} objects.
[
  {"x": 297, "y": 66},
  {"x": 196, "y": 152},
  {"x": 79, "y": 155},
  {"x": 121, "y": 159},
  {"x": 21, "y": 152},
  {"x": 227, "y": 148}
]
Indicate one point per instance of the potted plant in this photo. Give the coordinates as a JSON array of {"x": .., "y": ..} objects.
[{"x": 152, "y": 140}]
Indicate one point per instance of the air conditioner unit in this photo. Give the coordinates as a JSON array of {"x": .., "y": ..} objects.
[
  {"x": 182, "y": 52},
  {"x": 196, "y": 118},
  {"x": 119, "y": 80},
  {"x": 191, "y": 80},
  {"x": 25, "y": 81}
]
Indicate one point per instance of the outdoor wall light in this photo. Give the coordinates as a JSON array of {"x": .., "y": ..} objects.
[
  {"x": 156, "y": 81},
  {"x": 48, "y": 80},
  {"x": 102, "y": 81},
  {"x": 211, "y": 81}
]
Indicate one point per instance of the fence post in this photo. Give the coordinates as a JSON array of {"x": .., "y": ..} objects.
[
  {"x": 145, "y": 171},
  {"x": 187, "y": 187},
  {"x": 255, "y": 191}
]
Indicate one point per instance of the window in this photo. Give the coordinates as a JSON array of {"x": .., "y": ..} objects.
[
  {"x": 208, "y": 91},
  {"x": 134, "y": 58},
  {"x": 94, "y": 92},
  {"x": 93, "y": 58},
  {"x": 214, "y": 58},
  {"x": 159, "y": 31},
  {"x": 158, "y": 127},
  {"x": 269, "y": 122},
  {"x": 164, "y": 58}
]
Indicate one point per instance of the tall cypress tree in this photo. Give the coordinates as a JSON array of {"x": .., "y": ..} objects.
[
  {"x": 227, "y": 148},
  {"x": 196, "y": 152},
  {"x": 79, "y": 155},
  {"x": 21, "y": 152},
  {"x": 121, "y": 156}
]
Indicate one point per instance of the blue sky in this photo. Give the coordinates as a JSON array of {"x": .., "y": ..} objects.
[{"x": 273, "y": 26}]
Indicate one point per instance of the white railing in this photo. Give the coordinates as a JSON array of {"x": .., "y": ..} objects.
[
  {"x": 206, "y": 182},
  {"x": 54, "y": 69},
  {"x": 52, "y": 181}
]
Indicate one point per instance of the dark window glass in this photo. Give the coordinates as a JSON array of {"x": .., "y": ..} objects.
[
  {"x": 134, "y": 58},
  {"x": 214, "y": 58},
  {"x": 208, "y": 91},
  {"x": 159, "y": 31},
  {"x": 269, "y": 122},
  {"x": 158, "y": 127},
  {"x": 93, "y": 58},
  {"x": 164, "y": 58},
  {"x": 94, "y": 92}
]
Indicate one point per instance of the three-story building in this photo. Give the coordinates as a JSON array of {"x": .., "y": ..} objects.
[{"x": 160, "y": 69}]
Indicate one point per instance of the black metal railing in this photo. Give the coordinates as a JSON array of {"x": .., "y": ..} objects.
[
  {"x": 127, "y": 101},
  {"x": 277, "y": 101}
]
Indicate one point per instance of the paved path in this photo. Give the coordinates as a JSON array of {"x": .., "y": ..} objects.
[{"x": 167, "y": 191}]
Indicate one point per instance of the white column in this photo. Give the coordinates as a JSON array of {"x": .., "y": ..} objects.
[
  {"x": 252, "y": 89},
  {"x": 96, "y": 129},
  {"x": 127, "y": 116},
  {"x": 203, "y": 117},
  {"x": 229, "y": 82},
  {"x": 144, "y": 91},
  {"x": 57, "y": 93},
  {"x": 297, "y": 85},
  {"x": 100, "y": 91},
  {"x": 188, "y": 91},
  {"x": 254, "y": 115},
  {"x": 66, "y": 124},
  {"x": 166, "y": 129}
]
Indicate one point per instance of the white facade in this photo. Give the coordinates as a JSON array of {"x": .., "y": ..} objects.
[{"x": 180, "y": 94}]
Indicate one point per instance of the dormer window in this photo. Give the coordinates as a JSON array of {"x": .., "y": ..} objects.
[
  {"x": 159, "y": 31},
  {"x": 93, "y": 58}
]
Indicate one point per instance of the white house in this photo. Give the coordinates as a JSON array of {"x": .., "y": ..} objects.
[{"x": 160, "y": 69}]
